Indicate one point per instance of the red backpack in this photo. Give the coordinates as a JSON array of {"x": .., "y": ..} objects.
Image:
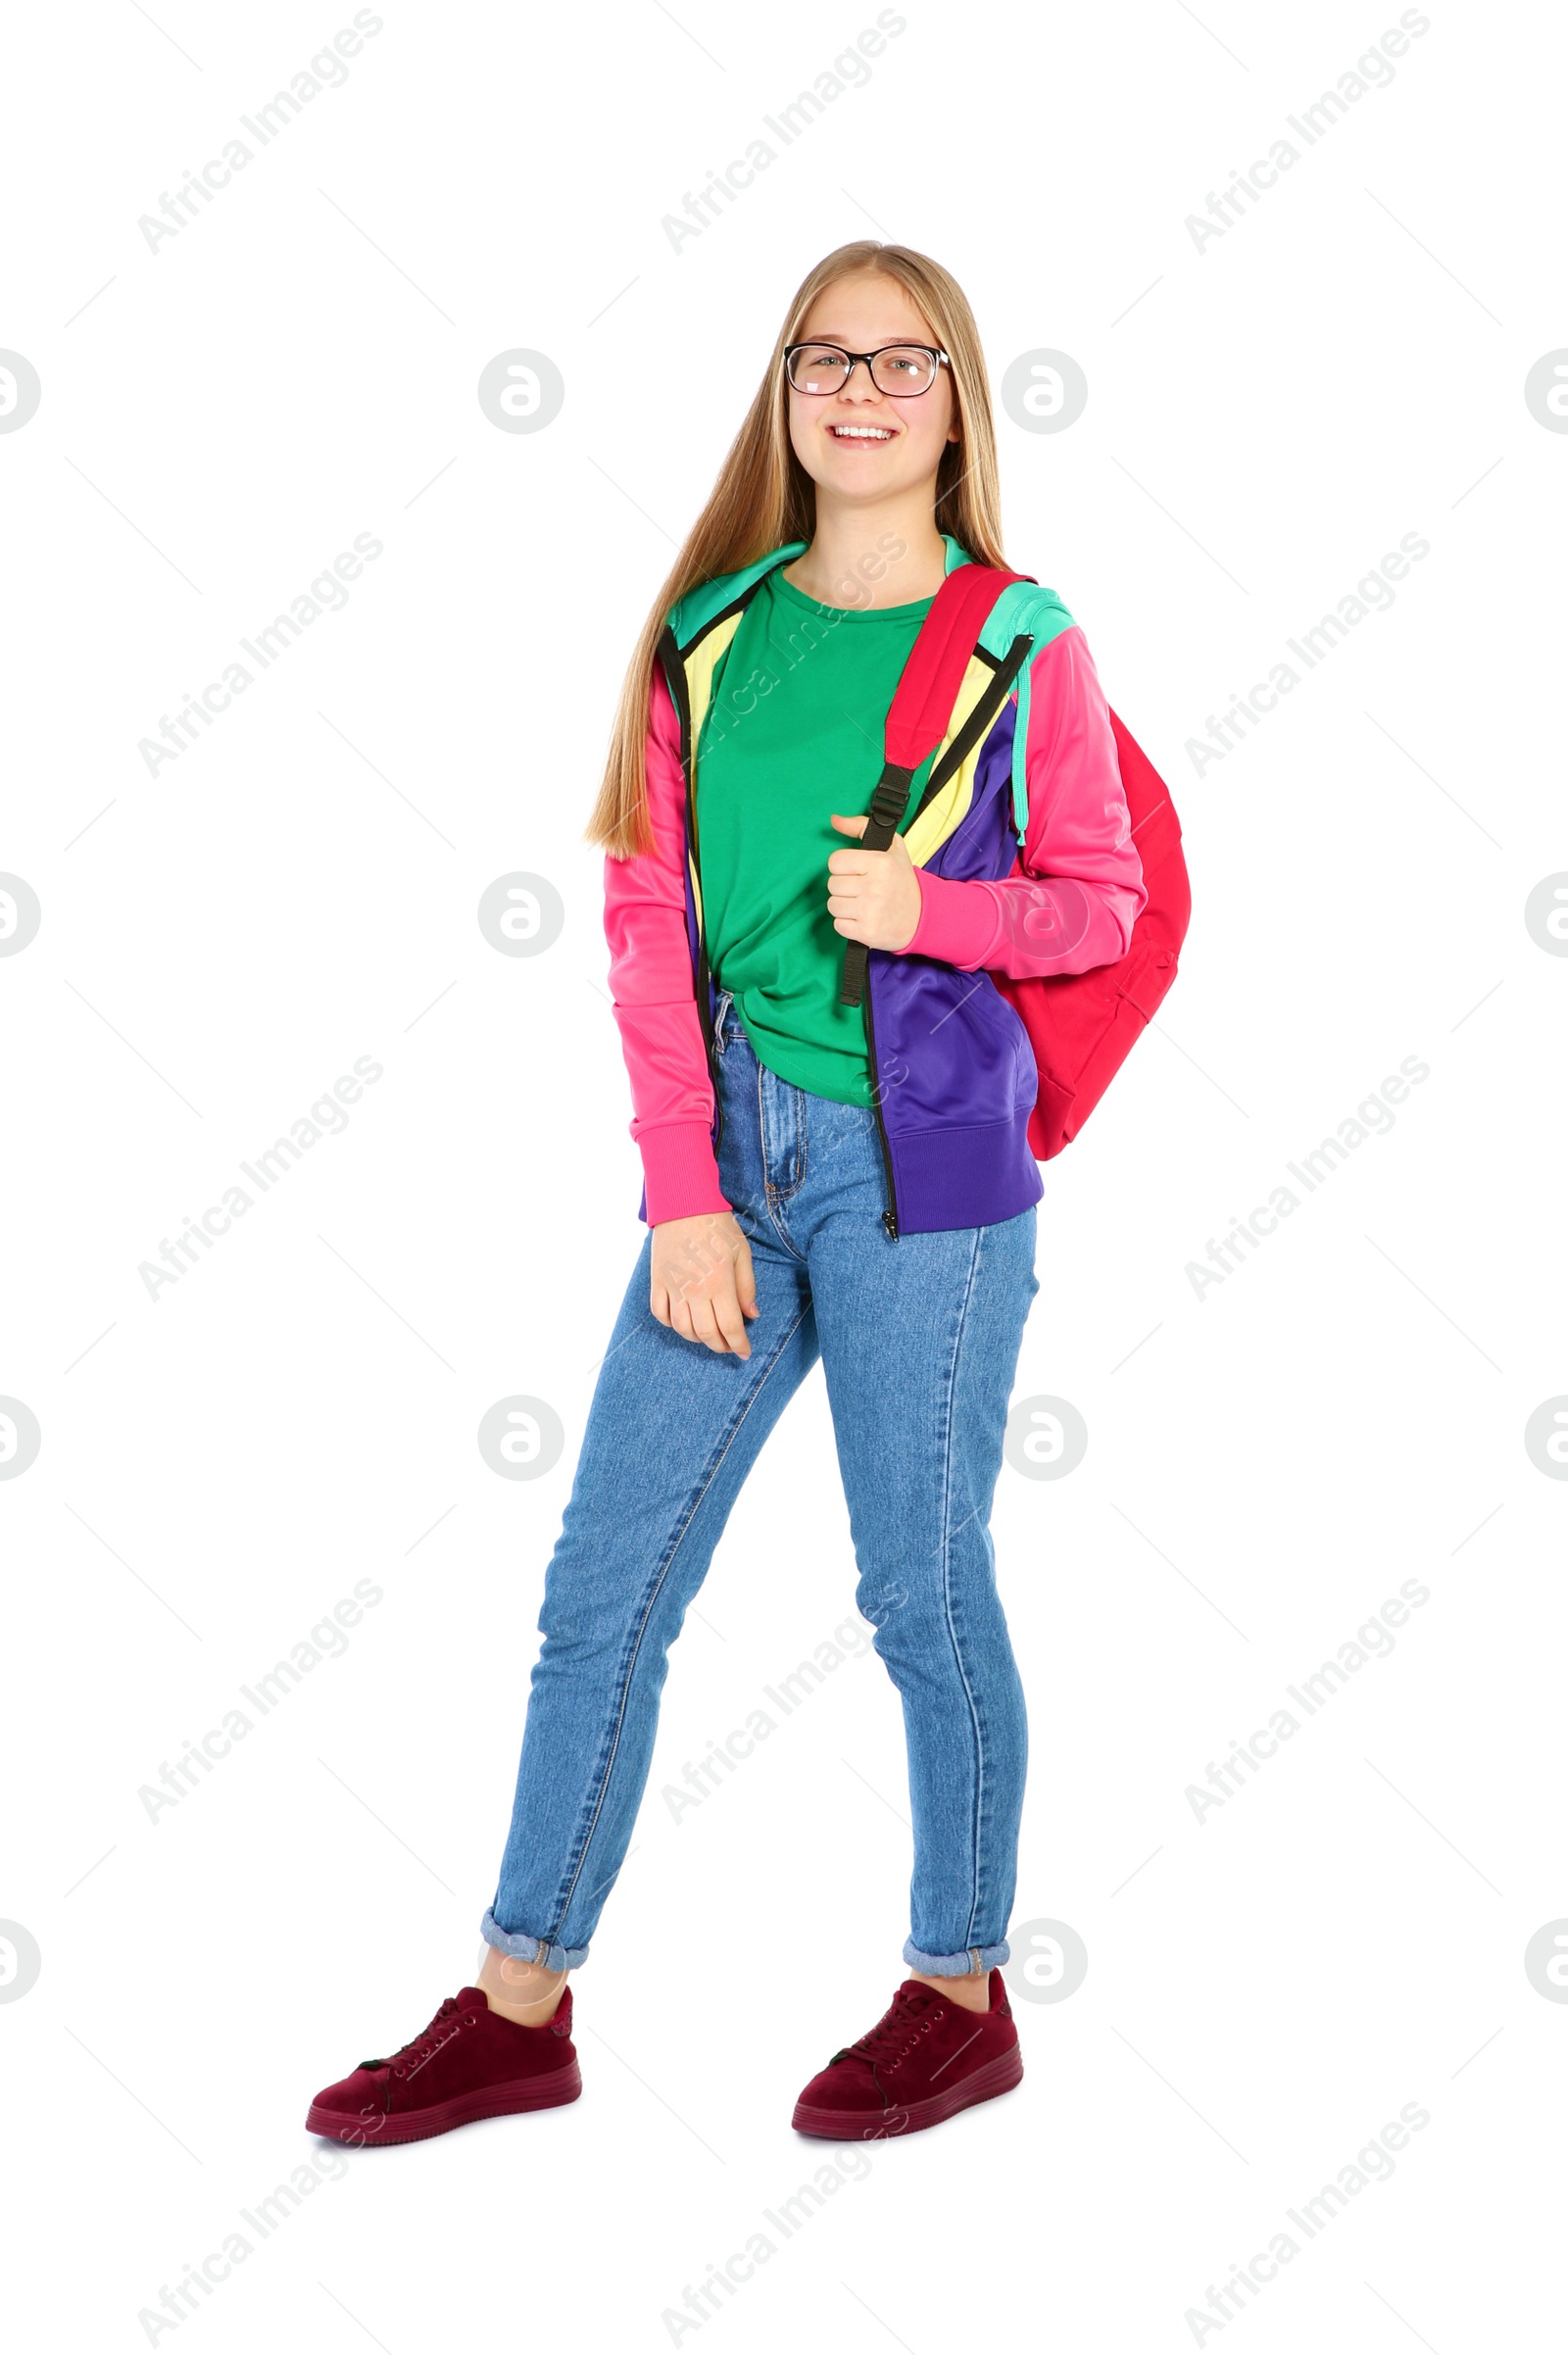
[{"x": 1081, "y": 1025}]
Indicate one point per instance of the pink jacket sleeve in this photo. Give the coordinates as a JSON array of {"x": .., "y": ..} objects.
[
  {"x": 1076, "y": 891},
  {"x": 651, "y": 985}
]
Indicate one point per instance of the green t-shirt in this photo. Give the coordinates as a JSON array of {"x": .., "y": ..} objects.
[{"x": 793, "y": 734}]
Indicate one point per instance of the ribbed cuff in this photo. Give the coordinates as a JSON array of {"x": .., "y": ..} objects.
[
  {"x": 680, "y": 1172},
  {"x": 959, "y": 922}
]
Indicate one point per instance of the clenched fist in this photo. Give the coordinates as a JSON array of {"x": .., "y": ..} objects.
[{"x": 873, "y": 895}]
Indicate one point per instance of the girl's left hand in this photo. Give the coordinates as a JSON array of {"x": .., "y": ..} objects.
[{"x": 873, "y": 895}]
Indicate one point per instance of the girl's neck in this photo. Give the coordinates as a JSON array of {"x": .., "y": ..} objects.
[{"x": 854, "y": 558}]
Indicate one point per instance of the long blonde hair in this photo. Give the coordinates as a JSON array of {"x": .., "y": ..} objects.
[{"x": 764, "y": 497}]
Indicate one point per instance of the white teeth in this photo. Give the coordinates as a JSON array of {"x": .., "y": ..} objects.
[{"x": 868, "y": 433}]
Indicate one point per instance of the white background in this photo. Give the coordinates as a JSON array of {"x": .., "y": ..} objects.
[{"x": 1266, "y": 417}]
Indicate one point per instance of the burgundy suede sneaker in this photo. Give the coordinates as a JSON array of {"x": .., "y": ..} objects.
[
  {"x": 925, "y": 2060},
  {"x": 469, "y": 2062}
]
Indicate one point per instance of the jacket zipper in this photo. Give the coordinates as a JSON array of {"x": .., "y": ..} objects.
[
  {"x": 675, "y": 680},
  {"x": 704, "y": 994},
  {"x": 890, "y": 1216}
]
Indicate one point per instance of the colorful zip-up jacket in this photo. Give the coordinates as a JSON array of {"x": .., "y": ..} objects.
[{"x": 1026, "y": 867}]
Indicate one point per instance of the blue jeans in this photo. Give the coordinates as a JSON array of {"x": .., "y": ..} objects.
[{"x": 920, "y": 1339}]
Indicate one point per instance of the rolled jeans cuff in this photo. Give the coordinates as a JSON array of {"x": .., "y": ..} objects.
[
  {"x": 955, "y": 1966},
  {"x": 544, "y": 1951}
]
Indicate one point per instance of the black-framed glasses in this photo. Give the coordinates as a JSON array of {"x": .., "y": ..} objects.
[{"x": 901, "y": 371}]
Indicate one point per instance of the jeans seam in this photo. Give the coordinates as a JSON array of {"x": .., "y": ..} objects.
[
  {"x": 656, "y": 1590},
  {"x": 947, "y": 1585},
  {"x": 771, "y": 1193},
  {"x": 787, "y": 1192}
]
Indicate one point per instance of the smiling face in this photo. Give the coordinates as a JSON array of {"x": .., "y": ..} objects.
[{"x": 861, "y": 444}]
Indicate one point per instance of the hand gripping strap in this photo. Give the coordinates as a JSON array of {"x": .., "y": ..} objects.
[{"x": 919, "y": 712}]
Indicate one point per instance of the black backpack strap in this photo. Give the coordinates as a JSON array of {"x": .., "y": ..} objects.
[{"x": 887, "y": 808}]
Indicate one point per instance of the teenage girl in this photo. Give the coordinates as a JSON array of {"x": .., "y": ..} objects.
[{"x": 822, "y": 1178}]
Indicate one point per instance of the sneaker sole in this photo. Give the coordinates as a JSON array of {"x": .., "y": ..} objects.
[
  {"x": 859, "y": 2125},
  {"x": 465, "y": 2109}
]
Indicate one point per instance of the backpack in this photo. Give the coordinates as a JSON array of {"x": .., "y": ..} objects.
[{"x": 1082, "y": 1026}]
